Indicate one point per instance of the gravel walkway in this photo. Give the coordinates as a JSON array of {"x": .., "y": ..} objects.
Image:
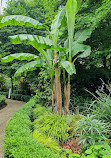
[{"x": 5, "y": 115}]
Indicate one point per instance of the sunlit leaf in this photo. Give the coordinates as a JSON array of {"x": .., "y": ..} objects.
[
  {"x": 71, "y": 7},
  {"x": 82, "y": 35},
  {"x": 77, "y": 47},
  {"x": 21, "y": 20},
  {"x": 20, "y": 56},
  {"x": 56, "y": 23},
  {"x": 86, "y": 53},
  {"x": 28, "y": 67},
  {"x": 69, "y": 67},
  {"x": 35, "y": 41}
]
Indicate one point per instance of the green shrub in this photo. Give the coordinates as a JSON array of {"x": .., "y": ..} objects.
[
  {"x": 18, "y": 140},
  {"x": 4, "y": 93},
  {"x": 2, "y": 100},
  {"x": 20, "y": 97},
  {"x": 91, "y": 130},
  {"x": 43, "y": 90},
  {"x": 39, "y": 110},
  {"x": 101, "y": 151},
  {"x": 96, "y": 151}
]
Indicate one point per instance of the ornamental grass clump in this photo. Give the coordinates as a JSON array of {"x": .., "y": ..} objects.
[{"x": 52, "y": 126}]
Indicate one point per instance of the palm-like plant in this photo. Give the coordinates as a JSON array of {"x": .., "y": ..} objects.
[{"x": 56, "y": 58}]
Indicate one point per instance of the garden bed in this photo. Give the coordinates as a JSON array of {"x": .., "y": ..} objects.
[{"x": 52, "y": 136}]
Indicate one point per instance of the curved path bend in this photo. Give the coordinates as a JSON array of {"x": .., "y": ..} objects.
[{"x": 5, "y": 114}]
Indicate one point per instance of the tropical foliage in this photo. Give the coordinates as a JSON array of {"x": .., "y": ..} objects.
[
  {"x": 73, "y": 49},
  {"x": 57, "y": 52}
]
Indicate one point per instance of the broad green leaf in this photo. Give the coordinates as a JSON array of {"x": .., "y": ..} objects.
[
  {"x": 86, "y": 53},
  {"x": 21, "y": 20},
  {"x": 77, "y": 47},
  {"x": 78, "y": 5},
  {"x": 69, "y": 67},
  {"x": 20, "y": 56},
  {"x": 66, "y": 44},
  {"x": 28, "y": 67},
  {"x": 36, "y": 41},
  {"x": 89, "y": 151},
  {"x": 71, "y": 7},
  {"x": 74, "y": 155},
  {"x": 56, "y": 23},
  {"x": 81, "y": 36}
]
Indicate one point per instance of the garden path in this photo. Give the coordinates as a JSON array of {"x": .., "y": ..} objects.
[{"x": 5, "y": 115}]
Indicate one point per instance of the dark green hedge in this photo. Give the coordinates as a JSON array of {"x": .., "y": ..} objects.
[
  {"x": 18, "y": 140},
  {"x": 4, "y": 93},
  {"x": 2, "y": 100},
  {"x": 20, "y": 97}
]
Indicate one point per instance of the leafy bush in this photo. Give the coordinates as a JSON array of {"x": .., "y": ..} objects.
[
  {"x": 4, "y": 93},
  {"x": 24, "y": 87},
  {"x": 3, "y": 86},
  {"x": 101, "y": 151},
  {"x": 91, "y": 130},
  {"x": 39, "y": 110},
  {"x": 44, "y": 90},
  {"x": 18, "y": 138},
  {"x": 96, "y": 151},
  {"x": 2, "y": 100},
  {"x": 20, "y": 97},
  {"x": 78, "y": 104}
]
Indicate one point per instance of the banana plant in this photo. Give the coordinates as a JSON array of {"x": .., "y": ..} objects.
[
  {"x": 74, "y": 45},
  {"x": 56, "y": 57}
]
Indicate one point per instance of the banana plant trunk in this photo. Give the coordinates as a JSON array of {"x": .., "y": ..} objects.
[
  {"x": 67, "y": 95},
  {"x": 58, "y": 93}
]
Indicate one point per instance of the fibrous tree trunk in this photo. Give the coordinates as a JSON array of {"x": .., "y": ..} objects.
[
  {"x": 57, "y": 92},
  {"x": 67, "y": 96}
]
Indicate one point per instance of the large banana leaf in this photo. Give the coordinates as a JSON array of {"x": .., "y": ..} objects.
[
  {"x": 28, "y": 67},
  {"x": 36, "y": 41},
  {"x": 69, "y": 67},
  {"x": 81, "y": 36},
  {"x": 78, "y": 47},
  {"x": 56, "y": 23},
  {"x": 20, "y": 56},
  {"x": 71, "y": 7},
  {"x": 86, "y": 53},
  {"x": 22, "y": 20}
]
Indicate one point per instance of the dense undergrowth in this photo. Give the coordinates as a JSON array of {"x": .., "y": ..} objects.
[
  {"x": 71, "y": 135},
  {"x": 2, "y": 100},
  {"x": 34, "y": 131}
]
